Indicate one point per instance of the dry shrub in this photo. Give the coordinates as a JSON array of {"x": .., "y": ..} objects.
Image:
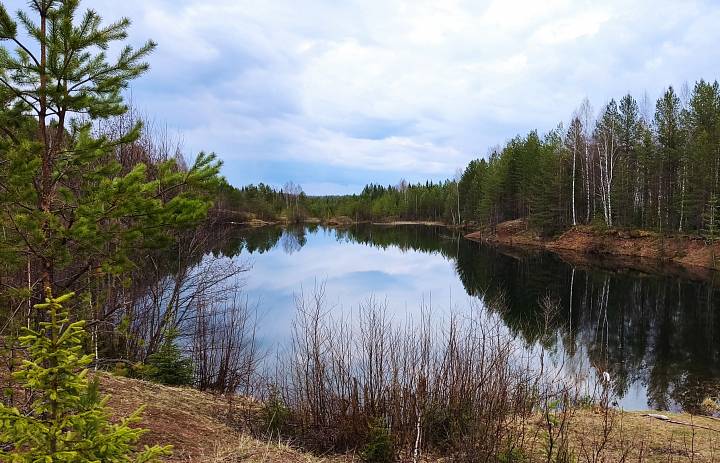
[{"x": 462, "y": 387}]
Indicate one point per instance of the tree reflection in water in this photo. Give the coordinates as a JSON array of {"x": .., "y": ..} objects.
[{"x": 655, "y": 331}]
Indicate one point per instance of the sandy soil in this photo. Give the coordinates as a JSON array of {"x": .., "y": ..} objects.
[{"x": 643, "y": 250}]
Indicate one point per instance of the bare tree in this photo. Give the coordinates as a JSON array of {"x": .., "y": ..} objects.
[{"x": 292, "y": 194}]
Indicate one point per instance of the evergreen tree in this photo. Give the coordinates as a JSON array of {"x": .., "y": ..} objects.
[
  {"x": 68, "y": 420},
  {"x": 628, "y": 193},
  {"x": 74, "y": 213},
  {"x": 667, "y": 122},
  {"x": 701, "y": 124},
  {"x": 71, "y": 209},
  {"x": 168, "y": 366},
  {"x": 470, "y": 187},
  {"x": 711, "y": 220}
]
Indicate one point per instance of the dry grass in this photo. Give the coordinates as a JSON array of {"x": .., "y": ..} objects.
[
  {"x": 642, "y": 438},
  {"x": 202, "y": 427},
  {"x": 208, "y": 428},
  {"x": 633, "y": 437}
]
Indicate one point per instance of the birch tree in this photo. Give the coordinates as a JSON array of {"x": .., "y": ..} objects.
[
  {"x": 574, "y": 142},
  {"x": 607, "y": 145}
]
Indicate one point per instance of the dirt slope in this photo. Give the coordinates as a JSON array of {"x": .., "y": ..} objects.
[
  {"x": 202, "y": 427},
  {"x": 582, "y": 243}
]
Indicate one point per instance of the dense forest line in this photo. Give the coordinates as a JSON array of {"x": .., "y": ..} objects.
[
  {"x": 423, "y": 201},
  {"x": 623, "y": 168},
  {"x": 629, "y": 166}
]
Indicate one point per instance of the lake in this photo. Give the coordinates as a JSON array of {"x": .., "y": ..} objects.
[{"x": 654, "y": 334}]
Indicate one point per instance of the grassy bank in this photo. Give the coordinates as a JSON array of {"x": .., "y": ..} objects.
[{"x": 210, "y": 428}]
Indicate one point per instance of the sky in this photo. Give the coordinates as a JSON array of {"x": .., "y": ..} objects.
[{"x": 336, "y": 94}]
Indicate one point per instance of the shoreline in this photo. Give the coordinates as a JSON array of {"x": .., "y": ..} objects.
[
  {"x": 340, "y": 221},
  {"x": 640, "y": 250},
  {"x": 637, "y": 249}
]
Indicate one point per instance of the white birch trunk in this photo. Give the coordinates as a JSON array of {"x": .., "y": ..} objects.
[{"x": 573, "y": 184}]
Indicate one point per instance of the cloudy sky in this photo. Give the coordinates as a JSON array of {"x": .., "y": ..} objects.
[{"x": 335, "y": 94}]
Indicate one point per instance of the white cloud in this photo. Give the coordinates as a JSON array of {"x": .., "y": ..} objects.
[
  {"x": 585, "y": 24},
  {"x": 396, "y": 88}
]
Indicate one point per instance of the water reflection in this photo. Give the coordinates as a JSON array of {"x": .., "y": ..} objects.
[{"x": 655, "y": 334}]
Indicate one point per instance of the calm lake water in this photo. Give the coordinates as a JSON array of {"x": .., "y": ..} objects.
[{"x": 655, "y": 334}]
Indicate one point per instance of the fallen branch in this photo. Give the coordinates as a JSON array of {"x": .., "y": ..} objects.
[{"x": 667, "y": 419}]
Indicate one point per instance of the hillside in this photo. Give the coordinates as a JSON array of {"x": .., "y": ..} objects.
[
  {"x": 209, "y": 428},
  {"x": 202, "y": 427}
]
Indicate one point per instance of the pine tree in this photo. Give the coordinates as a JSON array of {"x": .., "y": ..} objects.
[
  {"x": 701, "y": 124},
  {"x": 70, "y": 207},
  {"x": 628, "y": 195},
  {"x": 168, "y": 366},
  {"x": 669, "y": 134},
  {"x": 68, "y": 421},
  {"x": 74, "y": 213}
]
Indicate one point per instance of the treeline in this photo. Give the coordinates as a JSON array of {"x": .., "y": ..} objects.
[
  {"x": 421, "y": 201},
  {"x": 428, "y": 201},
  {"x": 627, "y": 166},
  {"x": 630, "y": 165},
  {"x": 262, "y": 202}
]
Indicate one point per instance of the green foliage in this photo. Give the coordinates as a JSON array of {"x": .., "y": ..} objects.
[
  {"x": 68, "y": 421},
  {"x": 429, "y": 201},
  {"x": 168, "y": 365},
  {"x": 443, "y": 425},
  {"x": 513, "y": 455},
  {"x": 585, "y": 402},
  {"x": 276, "y": 414},
  {"x": 70, "y": 203},
  {"x": 471, "y": 188},
  {"x": 380, "y": 447}
]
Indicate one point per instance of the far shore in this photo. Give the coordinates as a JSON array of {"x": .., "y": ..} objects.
[
  {"x": 639, "y": 249},
  {"x": 337, "y": 221}
]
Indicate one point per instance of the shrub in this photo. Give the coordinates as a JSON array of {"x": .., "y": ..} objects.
[
  {"x": 380, "y": 447},
  {"x": 512, "y": 455},
  {"x": 445, "y": 425},
  {"x": 68, "y": 420},
  {"x": 276, "y": 414},
  {"x": 168, "y": 365}
]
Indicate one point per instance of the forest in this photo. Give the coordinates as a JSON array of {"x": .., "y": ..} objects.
[
  {"x": 624, "y": 167},
  {"x": 427, "y": 201},
  {"x": 629, "y": 165}
]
